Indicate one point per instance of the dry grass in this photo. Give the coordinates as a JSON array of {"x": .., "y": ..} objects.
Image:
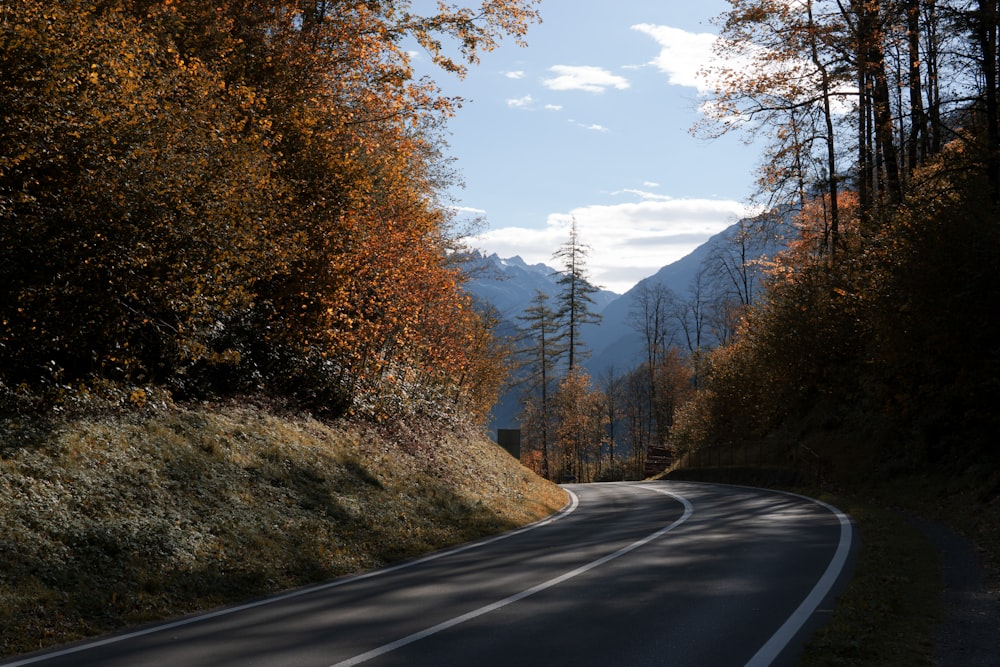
[
  {"x": 888, "y": 614},
  {"x": 117, "y": 520}
]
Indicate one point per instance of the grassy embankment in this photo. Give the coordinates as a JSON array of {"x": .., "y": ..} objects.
[
  {"x": 115, "y": 521},
  {"x": 892, "y": 607}
]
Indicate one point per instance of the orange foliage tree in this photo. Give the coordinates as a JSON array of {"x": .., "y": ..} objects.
[
  {"x": 233, "y": 197},
  {"x": 579, "y": 413},
  {"x": 128, "y": 220}
]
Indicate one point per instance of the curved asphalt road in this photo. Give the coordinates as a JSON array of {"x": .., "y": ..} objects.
[{"x": 661, "y": 573}]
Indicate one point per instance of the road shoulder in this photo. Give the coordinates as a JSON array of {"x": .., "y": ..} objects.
[{"x": 968, "y": 632}]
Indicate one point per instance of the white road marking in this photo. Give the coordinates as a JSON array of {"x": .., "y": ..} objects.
[
  {"x": 475, "y": 613},
  {"x": 777, "y": 643},
  {"x": 568, "y": 508},
  {"x": 765, "y": 656}
]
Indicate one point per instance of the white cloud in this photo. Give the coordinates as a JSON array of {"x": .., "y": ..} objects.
[
  {"x": 628, "y": 241},
  {"x": 593, "y": 127},
  {"x": 525, "y": 102},
  {"x": 517, "y": 74},
  {"x": 468, "y": 209},
  {"x": 584, "y": 77},
  {"x": 528, "y": 103},
  {"x": 688, "y": 59},
  {"x": 682, "y": 54},
  {"x": 644, "y": 194}
]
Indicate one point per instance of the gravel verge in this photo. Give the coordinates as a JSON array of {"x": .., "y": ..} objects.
[{"x": 969, "y": 635}]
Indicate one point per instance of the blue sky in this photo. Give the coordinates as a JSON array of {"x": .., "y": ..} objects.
[{"x": 591, "y": 121}]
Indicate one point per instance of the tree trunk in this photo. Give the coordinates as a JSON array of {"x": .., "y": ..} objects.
[
  {"x": 987, "y": 33},
  {"x": 918, "y": 144},
  {"x": 831, "y": 152},
  {"x": 933, "y": 82},
  {"x": 881, "y": 101}
]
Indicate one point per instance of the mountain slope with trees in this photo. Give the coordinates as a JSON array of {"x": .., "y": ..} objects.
[{"x": 725, "y": 270}]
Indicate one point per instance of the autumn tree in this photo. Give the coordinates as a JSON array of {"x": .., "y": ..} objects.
[
  {"x": 487, "y": 361},
  {"x": 889, "y": 81},
  {"x": 133, "y": 192},
  {"x": 580, "y": 430},
  {"x": 234, "y": 197},
  {"x": 368, "y": 278},
  {"x": 782, "y": 81},
  {"x": 674, "y": 382}
]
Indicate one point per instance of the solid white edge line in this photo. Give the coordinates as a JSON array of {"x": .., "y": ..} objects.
[
  {"x": 475, "y": 613},
  {"x": 780, "y": 639},
  {"x": 566, "y": 509}
]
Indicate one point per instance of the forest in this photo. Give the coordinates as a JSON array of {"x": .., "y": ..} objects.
[
  {"x": 865, "y": 347},
  {"x": 235, "y": 352},
  {"x": 204, "y": 201},
  {"x": 872, "y": 335}
]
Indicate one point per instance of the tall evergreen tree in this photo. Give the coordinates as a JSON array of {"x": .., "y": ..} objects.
[
  {"x": 575, "y": 300},
  {"x": 545, "y": 348}
]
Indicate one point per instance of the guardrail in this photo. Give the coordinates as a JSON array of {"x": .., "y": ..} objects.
[{"x": 792, "y": 456}]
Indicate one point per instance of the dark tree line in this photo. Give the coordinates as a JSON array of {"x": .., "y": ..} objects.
[{"x": 871, "y": 342}]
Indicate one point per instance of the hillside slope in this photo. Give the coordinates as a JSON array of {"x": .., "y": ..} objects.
[
  {"x": 614, "y": 342},
  {"x": 119, "y": 520}
]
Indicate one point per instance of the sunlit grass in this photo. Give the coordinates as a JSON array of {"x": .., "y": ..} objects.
[{"x": 115, "y": 521}]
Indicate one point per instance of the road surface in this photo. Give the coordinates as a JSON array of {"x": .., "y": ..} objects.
[{"x": 655, "y": 573}]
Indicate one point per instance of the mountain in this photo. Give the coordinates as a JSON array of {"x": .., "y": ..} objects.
[
  {"x": 510, "y": 284},
  {"x": 614, "y": 343}
]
